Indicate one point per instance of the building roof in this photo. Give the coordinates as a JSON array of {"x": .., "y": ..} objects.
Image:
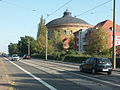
[
  {"x": 107, "y": 25},
  {"x": 66, "y": 19}
]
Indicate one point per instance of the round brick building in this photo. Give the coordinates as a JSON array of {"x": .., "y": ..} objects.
[{"x": 66, "y": 25}]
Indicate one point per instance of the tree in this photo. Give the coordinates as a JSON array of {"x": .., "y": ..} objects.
[
  {"x": 23, "y": 45},
  {"x": 71, "y": 43},
  {"x": 41, "y": 39},
  {"x": 12, "y": 48},
  {"x": 41, "y": 28},
  {"x": 56, "y": 40},
  {"x": 40, "y": 42},
  {"x": 97, "y": 41}
]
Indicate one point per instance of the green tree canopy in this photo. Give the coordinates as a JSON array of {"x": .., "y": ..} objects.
[
  {"x": 97, "y": 41},
  {"x": 23, "y": 45},
  {"x": 12, "y": 48},
  {"x": 41, "y": 39},
  {"x": 56, "y": 40},
  {"x": 71, "y": 43}
]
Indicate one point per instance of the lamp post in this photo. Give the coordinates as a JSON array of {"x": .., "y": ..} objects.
[
  {"x": 46, "y": 44},
  {"x": 28, "y": 47},
  {"x": 114, "y": 35}
]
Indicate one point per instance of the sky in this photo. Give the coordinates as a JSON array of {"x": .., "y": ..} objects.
[{"x": 21, "y": 17}]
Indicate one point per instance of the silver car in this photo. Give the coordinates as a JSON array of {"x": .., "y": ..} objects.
[{"x": 15, "y": 57}]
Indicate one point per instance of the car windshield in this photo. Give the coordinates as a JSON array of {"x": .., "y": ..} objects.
[
  {"x": 103, "y": 61},
  {"x": 15, "y": 55}
]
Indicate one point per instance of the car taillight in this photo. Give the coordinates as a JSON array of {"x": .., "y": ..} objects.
[{"x": 25, "y": 56}]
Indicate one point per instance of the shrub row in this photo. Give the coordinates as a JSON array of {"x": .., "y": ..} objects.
[{"x": 71, "y": 58}]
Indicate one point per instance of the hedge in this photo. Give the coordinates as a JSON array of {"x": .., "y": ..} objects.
[{"x": 73, "y": 58}]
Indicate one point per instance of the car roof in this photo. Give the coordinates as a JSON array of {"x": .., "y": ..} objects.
[{"x": 26, "y": 54}]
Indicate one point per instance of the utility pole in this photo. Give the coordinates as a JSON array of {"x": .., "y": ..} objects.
[
  {"x": 114, "y": 35},
  {"x": 28, "y": 47},
  {"x": 46, "y": 45}
]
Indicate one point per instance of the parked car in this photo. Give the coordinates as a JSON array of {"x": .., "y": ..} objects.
[
  {"x": 15, "y": 57},
  {"x": 26, "y": 56},
  {"x": 96, "y": 64}
]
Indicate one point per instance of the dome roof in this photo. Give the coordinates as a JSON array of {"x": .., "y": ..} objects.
[{"x": 66, "y": 19}]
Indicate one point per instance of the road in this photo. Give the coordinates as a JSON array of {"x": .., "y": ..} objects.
[{"x": 48, "y": 75}]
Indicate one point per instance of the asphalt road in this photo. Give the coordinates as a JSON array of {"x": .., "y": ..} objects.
[{"x": 46, "y": 75}]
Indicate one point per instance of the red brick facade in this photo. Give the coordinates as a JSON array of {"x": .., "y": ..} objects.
[{"x": 108, "y": 25}]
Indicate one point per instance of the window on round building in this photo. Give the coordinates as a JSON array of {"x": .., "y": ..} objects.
[
  {"x": 71, "y": 32},
  {"x": 64, "y": 32}
]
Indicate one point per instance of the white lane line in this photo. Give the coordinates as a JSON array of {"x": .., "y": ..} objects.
[
  {"x": 95, "y": 79},
  {"x": 38, "y": 79},
  {"x": 103, "y": 81}
]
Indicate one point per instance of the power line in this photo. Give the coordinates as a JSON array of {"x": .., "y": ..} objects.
[
  {"x": 20, "y": 6},
  {"x": 58, "y": 9},
  {"x": 94, "y": 7}
]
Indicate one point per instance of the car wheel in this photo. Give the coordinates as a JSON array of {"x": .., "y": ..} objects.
[
  {"x": 81, "y": 69},
  {"x": 109, "y": 72},
  {"x": 93, "y": 71}
]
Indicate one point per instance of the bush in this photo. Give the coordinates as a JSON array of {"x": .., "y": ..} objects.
[
  {"x": 57, "y": 55},
  {"x": 72, "y": 52},
  {"x": 75, "y": 59}
]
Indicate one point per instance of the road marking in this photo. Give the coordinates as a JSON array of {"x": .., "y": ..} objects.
[
  {"x": 38, "y": 79},
  {"x": 89, "y": 77}
]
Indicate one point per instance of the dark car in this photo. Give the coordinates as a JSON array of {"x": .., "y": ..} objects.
[
  {"x": 26, "y": 56},
  {"x": 96, "y": 64}
]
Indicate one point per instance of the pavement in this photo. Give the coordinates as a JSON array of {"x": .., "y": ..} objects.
[
  {"x": 5, "y": 82},
  {"x": 4, "y": 78}
]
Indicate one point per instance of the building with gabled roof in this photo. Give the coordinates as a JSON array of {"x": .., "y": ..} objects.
[{"x": 108, "y": 26}]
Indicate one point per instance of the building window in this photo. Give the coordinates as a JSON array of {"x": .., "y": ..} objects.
[
  {"x": 111, "y": 28},
  {"x": 64, "y": 32},
  {"x": 70, "y": 32}
]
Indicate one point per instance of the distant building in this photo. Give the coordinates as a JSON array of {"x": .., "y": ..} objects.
[
  {"x": 108, "y": 26},
  {"x": 66, "y": 25},
  {"x": 80, "y": 40}
]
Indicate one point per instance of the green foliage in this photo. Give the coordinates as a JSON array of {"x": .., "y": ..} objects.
[
  {"x": 72, "y": 52},
  {"x": 41, "y": 40},
  {"x": 75, "y": 59},
  {"x": 71, "y": 43},
  {"x": 12, "y": 48},
  {"x": 40, "y": 43},
  {"x": 57, "y": 55},
  {"x": 23, "y": 45},
  {"x": 41, "y": 28},
  {"x": 97, "y": 42},
  {"x": 56, "y": 40}
]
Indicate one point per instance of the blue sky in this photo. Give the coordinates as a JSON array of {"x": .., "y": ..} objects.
[{"x": 21, "y": 17}]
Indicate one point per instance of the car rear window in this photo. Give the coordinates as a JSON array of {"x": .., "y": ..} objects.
[{"x": 103, "y": 61}]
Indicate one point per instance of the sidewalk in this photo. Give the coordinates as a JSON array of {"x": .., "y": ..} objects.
[
  {"x": 117, "y": 69},
  {"x": 4, "y": 85}
]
